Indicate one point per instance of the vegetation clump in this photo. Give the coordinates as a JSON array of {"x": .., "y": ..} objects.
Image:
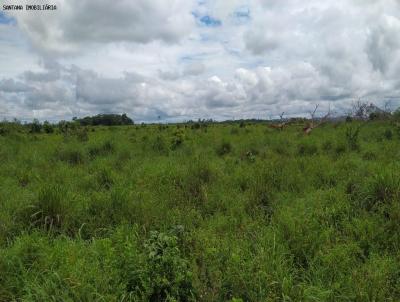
[
  {"x": 156, "y": 213},
  {"x": 104, "y": 149},
  {"x": 50, "y": 209},
  {"x": 177, "y": 139},
  {"x": 352, "y": 137},
  {"x": 105, "y": 120},
  {"x": 167, "y": 276},
  {"x": 71, "y": 155},
  {"x": 224, "y": 148}
]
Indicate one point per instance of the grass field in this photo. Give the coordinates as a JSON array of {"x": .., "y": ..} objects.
[{"x": 216, "y": 213}]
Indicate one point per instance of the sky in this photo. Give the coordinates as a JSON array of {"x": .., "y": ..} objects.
[{"x": 178, "y": 60}]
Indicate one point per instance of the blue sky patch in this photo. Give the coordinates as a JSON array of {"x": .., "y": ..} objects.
[
  {"x": 4, "y": 19},
  {"x": 242, "y": 15},
  {"x": 207, "y": 20},
  {"x": 210, "y": 21}
]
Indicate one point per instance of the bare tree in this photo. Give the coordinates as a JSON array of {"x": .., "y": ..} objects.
[
  {"x": 313, "y": 123},
  {"x": 281, "y": 125},
  {"x": 387, "y": 107},
  {"x": 360, "y": 109}
]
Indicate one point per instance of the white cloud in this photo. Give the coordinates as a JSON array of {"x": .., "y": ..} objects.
[
  {"x": 247, "y": 58},
  {"x": 79, "y": 23}
]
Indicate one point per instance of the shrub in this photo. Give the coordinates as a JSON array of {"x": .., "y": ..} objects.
[
  {"x": 379, "y": 115},
  {"x": 352, "y": 137},
  {"x": 159, "y": 145},
  {"x": 177, "y": 139},
  {"x": 307, "y": 149},
  {"x": 71, "y": 156},
  {"x": 369, "y": 155},
  {"x": 340, "y": 149},
  {"x": 47, "y": 127},
  {"x": 250, "y": 156},
  {"x": 381, "y": 189},
  {"x": 65, "y": 128},
  {"x": 24, "y": 177},
  {"x": 101, "y": 150},
  {"x": 388, "y": 134},
  {"x": 195, "y": 126},
  {"x": 396, "y": 114},
  {"x": 166, "y": 275},
  {"x": 35, "y": 127},
  {"x": 192, "y": 184},
  {"x": 4, "y": 130},
  {"x": 109, "y": 210},
  {"x": 105, "y": 178},
  {"x": 327, "y": 146},
  {"x": 224, "y": 148},
  {"x": 261, "y": 197},
  {"x": 81, "y": 134},
  {"x": 50, "y": 209}
]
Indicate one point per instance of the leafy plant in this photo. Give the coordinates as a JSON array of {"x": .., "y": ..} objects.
[
  {"x": 47, "y": 127},
  {"x": 73, "y": 156},
  {"x": 224, "y": 148},
  {"x": 352, "y": 137},
  {"x": 177, "y": 139},
  {"x": 104, "y": 149},
  {"x": 35, "y": 126},
  {"x": 105, "y": 178},
  {"x": 165, "y": 274},
  {"x": 307, "y": 149},
  {"x": 50, "y": 209}
]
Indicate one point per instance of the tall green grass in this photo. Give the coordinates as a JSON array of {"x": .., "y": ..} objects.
[{"x": 193, "y": 213}]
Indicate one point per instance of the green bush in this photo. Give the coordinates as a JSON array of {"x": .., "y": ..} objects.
[
  {"x": 50, "y": 209},
  {"x": 396, "y": 114},
  {"x": 159, "y": 146},
  {"x": 168, "y": 272},
  {"x": 352, "y": 137},
  {"x": 110, "y": 210},
  {"x": 105, "y": 178},
  {"x": 388, "y": 134},
  {"x": 81, "y": 134},
  {"x": 377, "y": 191},
  {"x": 327, "y": 146},
  {"x": 224, "y": 148},
  {"x": 177, "y": 139},
  {"x": 307, "y": 149},
  {"x": 35, "y": 126},
  {"x": 369, "y": 155},
  {"x": 104, "y": 149},
  {"x": 47, "y": 127},
  {"x": 71, "y": 155}
]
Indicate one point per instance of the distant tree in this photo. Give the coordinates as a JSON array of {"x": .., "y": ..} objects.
[
  {"x": 47, "y": 127},
  {"x": 368, "y": 111},
  {"x": 312, "y": 124},
  {"x": 106, "y": 120},
  {"x": 126, "y": 120},
  {"x": 35, "y": 126},
  {"x": 379, "y": 115},
  {"x": 65, "y": 127},
  {"x": 396, "y": 114}
]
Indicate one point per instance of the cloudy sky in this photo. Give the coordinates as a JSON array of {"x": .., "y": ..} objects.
[{"x": 184, "y": 59}]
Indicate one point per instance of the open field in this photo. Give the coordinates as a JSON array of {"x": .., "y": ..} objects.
[{"x": 213, "y": 212}]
